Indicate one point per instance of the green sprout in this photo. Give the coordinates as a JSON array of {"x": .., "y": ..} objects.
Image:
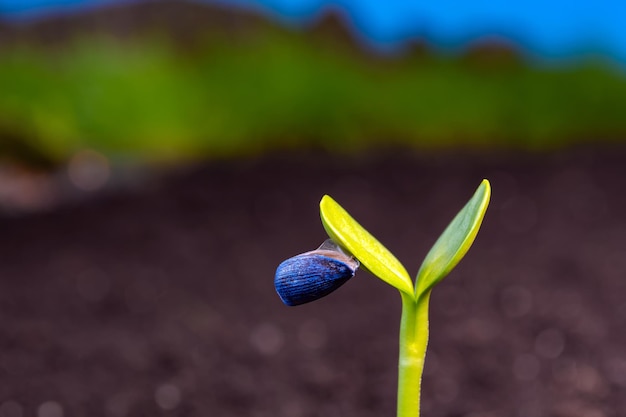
[{"x": 311, "y": 275}]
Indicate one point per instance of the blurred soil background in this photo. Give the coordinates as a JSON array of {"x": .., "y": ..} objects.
[{"x": 159, "y": 159}]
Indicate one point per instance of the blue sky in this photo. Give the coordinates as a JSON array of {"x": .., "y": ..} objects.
[{"x": 547, "y": 29}]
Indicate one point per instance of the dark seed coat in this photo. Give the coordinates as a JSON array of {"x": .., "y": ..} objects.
[{"x": 308, "y": 277}]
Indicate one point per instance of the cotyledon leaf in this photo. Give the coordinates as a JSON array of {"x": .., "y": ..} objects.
[
  {"x": 454, "y": 242},
  {"x": 377, "y": 259}
]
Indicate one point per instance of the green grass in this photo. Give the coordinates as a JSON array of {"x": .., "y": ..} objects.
[{"x": 145, "y": 99}]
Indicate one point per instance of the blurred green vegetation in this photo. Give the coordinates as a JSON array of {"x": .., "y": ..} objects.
[{"x": 148, "y": 99}]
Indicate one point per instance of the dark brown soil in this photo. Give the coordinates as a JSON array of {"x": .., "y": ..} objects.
[{"x": 160, "y": 301}]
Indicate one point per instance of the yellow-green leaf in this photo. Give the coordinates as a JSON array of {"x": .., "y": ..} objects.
[
  {"x": 349, "y": 234},
  {"x": 455, "y": 241}
]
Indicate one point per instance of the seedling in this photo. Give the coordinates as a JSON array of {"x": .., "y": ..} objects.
[{"x": 314, "y": 274}]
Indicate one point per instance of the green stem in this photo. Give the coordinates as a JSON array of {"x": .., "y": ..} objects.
[{"x": 413, "y": 341}]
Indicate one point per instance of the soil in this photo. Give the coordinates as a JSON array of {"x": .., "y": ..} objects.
[{"x": 159, "y": 300}]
